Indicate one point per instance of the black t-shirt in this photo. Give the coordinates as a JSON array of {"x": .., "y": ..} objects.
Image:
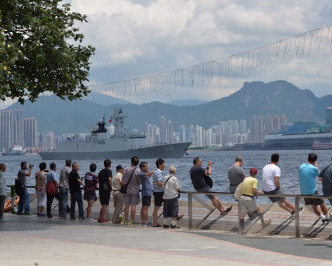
[
  {"x": 196, "y": 174},
  {"x": 103, "y": 178},
  {"x": 326, "y": 174},
  {"x": 74, "y": 186}
]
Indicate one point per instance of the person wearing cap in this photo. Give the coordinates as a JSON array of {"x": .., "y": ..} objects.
[
  {"x": 271, "y": 184},
  {"x": 117, "y": 195},
  {"x": 247, "y": 201},
  {"x": 171, "y": 188}
]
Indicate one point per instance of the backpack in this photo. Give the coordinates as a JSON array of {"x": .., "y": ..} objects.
[{"x": 19, "y": 187}]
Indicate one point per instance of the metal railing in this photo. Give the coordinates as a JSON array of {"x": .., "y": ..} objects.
[
  {"x": 297, "y": 198},
  {"x": 194, "y": 195}
]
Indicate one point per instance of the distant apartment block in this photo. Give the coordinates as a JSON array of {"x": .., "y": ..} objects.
[
  {"x": 30, "y": 132},
  {"x": 11, "y": 128}
]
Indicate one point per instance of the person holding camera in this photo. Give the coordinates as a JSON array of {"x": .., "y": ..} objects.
[
  {"x": 24, "y": 202},
  {"x": 197, "y": 173}
]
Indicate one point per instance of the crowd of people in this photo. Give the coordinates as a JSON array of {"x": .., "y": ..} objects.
[{"x": 128, "y": 182}]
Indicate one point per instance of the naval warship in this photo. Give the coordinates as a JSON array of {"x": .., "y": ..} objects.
[{"x": 122, "y": 145}]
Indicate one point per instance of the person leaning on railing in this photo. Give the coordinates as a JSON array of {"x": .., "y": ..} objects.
[{"x": 196, "y": 174}]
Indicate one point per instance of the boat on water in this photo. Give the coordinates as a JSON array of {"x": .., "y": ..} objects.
[
  {"x": 321, "y": 145},
  {"x": 16, "y": 150},
  {"x": 122, "y": 145}
]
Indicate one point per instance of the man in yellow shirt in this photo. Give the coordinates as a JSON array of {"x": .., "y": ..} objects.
[{"x": 247, "y": 201}]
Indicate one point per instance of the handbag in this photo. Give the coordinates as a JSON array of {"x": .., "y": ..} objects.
[
  {"x": 208, "y": 181},
  {"x": 51, "y": 188},
  {"x": 124, "y": 188},
  {"x": 238, "y": 192}
]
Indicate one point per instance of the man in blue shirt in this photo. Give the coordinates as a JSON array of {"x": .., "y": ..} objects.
[
  {"x": 307, "y": 174},
  {"x": 147, "y": 188},
  {"x": 52, "y": 177}
]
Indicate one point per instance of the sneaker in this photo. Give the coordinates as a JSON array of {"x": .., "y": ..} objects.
[
  {"x": 91, "y": 219},
  {"x": 266, "y": 223},
  {"x": 62, "y": 218},
  {"x": 81, "y": 218},
  {"x": 49, "y": 216},
  {"x": 42, "y": 215},
  {"x": 72, "y": 218},
  {"x": 19, "y": 213},
  {"x": 38, "y": 215},
  {"x": 175, "y": 227},
  {"x": 165, "y": 226},
  {"x": 300, "y": 210},
  {"x": 28, "y": 214},
  {"x": 326, "y": 220}
]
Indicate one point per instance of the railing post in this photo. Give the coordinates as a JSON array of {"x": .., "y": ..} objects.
[
  {"x": 297, "y": 217},
  {"x": 238, "y": 218},
  {"x": 190, "y": 210}
]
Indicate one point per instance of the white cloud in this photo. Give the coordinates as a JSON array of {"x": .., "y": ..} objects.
[{"x": 135, "y": 38}]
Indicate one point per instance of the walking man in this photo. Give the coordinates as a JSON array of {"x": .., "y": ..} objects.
[
  {"x": 307, "y": 174},
  {"x": 326, "y": 178},
  {"x": 75, "y": 192},
  {"x": 271, "y": 184},
  {"x": 63, "y": 190},
  {"x": 196, "y": 174},
  {"x": 247, "y": 201},
  {"x": 25, "y": 198},
  {"x": 236, "y": 174},
  {"x": 147, "y": 187},
  {"x": 2, "y": 189},
  {"x": 117, "y": 195},
  {"x": 131, "y": 179},
  {"x": 105, "y": 187}
]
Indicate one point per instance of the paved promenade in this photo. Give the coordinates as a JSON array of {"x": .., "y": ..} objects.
[{"x": 28, "y": 240}]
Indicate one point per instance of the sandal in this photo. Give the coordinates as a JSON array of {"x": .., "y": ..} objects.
[{"x": 226, "y": 211}]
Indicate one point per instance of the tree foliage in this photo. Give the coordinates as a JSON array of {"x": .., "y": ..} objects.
[{"x": 41, "y": 50}]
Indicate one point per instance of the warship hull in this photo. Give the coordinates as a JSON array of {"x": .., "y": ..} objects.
[{"x": 175, "y": 150}]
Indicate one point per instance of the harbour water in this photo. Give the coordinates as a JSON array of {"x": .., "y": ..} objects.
[{"x": 290, "y": 160}]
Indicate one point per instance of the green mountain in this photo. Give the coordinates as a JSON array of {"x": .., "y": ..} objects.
[{"x": 277, "y": 97}]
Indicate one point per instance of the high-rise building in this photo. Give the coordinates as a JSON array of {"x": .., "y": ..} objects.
[
  {"x": 170, "y": 132},
  {"x": 243, "y": 126},
  {"x": 30, "y": 132},
  {"x": 329, "y": 116},
  {"x": 257, "y": 129},
  {"x": 163, "y": 129},
  {"x": 11, "y": 128}
]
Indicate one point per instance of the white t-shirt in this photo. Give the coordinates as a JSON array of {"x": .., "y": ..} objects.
[
  {"x": 171, "y": 188},
  {"x": 270, "y": 171}
]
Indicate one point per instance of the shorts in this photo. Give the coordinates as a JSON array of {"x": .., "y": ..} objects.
[
  {"x": 275, "y": 192},
  {"x": 171, "y": 208},
  {"x": 311, "y": 201},
  {"x": 131, "y": 199},
  {"x": 41, "y": 199},
  {"x": 248, "y": 204},
  {"x": 146, "y": 201},
  {"x": 158, "y": 198},
  {"x": 206, "y": 189},
  {"x": 90, "y": 197},
  {"x": 104, "y": 197}
]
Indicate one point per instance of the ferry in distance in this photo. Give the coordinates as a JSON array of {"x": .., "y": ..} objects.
[
  {"x": 320, "y": 145},
  {"x": 122, "y": 145}
]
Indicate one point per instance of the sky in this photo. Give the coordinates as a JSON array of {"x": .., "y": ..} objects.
[{"x": 137, "y": 38}]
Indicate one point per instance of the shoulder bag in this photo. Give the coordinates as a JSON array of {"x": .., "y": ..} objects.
[
  {"x": 208, "y": 180},
  {"x": 124, "y": 188},
  {"x": 51, "y": 188}
]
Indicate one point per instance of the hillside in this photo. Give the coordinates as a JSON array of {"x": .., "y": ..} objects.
[{"x": 277, "y": 97}]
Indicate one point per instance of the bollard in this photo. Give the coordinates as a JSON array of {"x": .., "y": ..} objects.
[{"x": 12, "y": 195}]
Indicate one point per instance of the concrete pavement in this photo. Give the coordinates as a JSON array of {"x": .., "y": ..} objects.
[{"x": 28, "y": 240}]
